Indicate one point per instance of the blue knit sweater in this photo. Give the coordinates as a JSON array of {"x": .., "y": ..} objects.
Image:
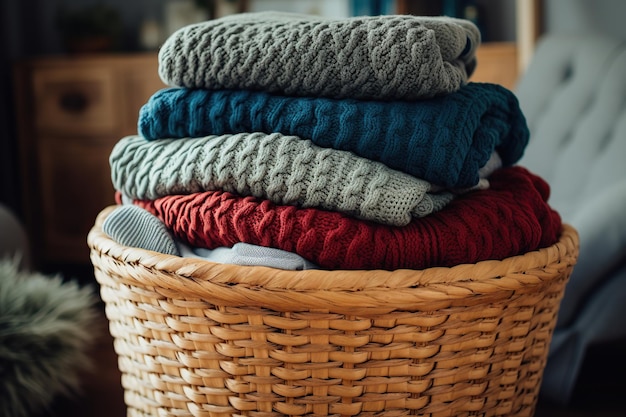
[{"x": 444, "y": 140}]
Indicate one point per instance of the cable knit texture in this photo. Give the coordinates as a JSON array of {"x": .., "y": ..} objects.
[
  {"x": 282, "y": 169},
  {"x": 445, "y": 140},
  {"x": 366, "y": 57},
  {"x": 510, "y": 218}
]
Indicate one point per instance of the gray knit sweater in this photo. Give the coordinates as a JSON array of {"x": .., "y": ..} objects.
[
  {"x": 365, "y": 57},
  {"x": 283, "y": 169}
]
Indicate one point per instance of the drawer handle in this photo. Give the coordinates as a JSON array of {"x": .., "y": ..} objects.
[{"x": 73, "y": 102}]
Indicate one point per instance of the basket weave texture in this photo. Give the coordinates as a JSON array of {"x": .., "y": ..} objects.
[{"x": 196, "y": 338}]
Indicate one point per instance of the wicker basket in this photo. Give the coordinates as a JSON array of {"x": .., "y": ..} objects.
[{"x": 195, "y": 338}]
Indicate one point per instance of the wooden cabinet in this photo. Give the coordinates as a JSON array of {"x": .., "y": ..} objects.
[{"x": 70, "y": 113}]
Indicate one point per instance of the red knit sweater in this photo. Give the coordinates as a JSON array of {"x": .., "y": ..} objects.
[{"x": 510, "y": 218}]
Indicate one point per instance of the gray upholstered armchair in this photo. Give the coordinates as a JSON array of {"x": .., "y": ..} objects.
[{"x": 574, "y": 97}]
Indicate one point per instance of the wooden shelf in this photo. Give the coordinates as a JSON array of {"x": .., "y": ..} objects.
[{"x": 497, "y": 63}]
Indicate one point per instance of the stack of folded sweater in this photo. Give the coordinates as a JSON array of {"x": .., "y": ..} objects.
[{"x": 351, "y": 143}]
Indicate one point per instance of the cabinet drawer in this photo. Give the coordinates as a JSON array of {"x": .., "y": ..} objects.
[{"x": 74, "y": 100}]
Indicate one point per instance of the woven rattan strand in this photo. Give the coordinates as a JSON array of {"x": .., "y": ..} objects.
[{"x": 200, "y": 339}]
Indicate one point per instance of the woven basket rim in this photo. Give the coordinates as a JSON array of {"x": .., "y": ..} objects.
[{"x": 250, "y": 285}]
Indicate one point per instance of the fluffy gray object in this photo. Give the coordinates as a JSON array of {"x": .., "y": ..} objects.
[
  {"x": 364, "y": 57},
  {"x": 46, "y": 326}
]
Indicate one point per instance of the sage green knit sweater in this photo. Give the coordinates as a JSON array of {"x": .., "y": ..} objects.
[{"x": 282, "y": 169}]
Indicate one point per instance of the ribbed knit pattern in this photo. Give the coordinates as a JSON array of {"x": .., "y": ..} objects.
[
  {"x": 444, "y": 140},
  {"x": 282, "y": 169},
  {"x": 510, "y": 218},
  {"x": 366, "y": 57},
  {"x": 133, "y": 226}
]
